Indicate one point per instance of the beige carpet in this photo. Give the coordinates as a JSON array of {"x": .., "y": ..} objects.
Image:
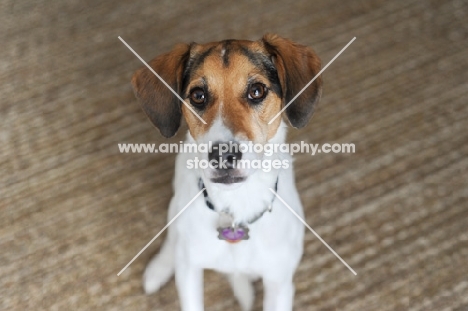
[{"x": 74, "y": 211}]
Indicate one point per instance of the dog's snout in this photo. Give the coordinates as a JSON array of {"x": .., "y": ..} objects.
[{"x": 226, "y": 154}]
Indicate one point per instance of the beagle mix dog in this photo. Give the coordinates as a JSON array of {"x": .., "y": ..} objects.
[{"x": 237, "y": 87}]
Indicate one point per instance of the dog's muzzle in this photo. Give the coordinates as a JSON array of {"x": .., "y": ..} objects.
[{"x": 224, "y": 158}]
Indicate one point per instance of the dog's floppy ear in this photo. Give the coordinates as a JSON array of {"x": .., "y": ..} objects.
[
  {"x": 296, "y": 65},
  {"x": 158, "y": 102}
]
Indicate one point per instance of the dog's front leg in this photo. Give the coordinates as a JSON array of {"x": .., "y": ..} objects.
[
  {"x": 279, "y": 296},
  {"x": 189, "y": 281}
]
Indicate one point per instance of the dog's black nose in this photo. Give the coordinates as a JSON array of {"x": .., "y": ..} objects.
[{"x": 225, "y": 154}]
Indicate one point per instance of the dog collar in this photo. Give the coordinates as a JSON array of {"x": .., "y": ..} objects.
[{"x": 228, "y": 230}]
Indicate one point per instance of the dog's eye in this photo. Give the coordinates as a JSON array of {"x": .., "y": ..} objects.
[
  {"x": 197, "y": 97},
  {"x": 257, "y": 92}
]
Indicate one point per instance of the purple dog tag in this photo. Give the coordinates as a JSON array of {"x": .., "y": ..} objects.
[{"x": 233, "y": 234}]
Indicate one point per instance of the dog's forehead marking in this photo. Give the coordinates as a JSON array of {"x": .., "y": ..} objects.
[{"x": 225, "y": 49}]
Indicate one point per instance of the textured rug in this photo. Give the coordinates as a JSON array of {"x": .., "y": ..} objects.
[{"x": 74, "y": 211}]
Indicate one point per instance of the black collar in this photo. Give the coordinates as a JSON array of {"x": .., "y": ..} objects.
[{"x": 210, "y": 205}]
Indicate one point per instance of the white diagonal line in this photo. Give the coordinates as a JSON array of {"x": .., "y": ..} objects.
[
  {"x": 312, "y": 230},
  {"x": 164, "y": 82},
  {"x": 162, "y": 230},
  {"x": 313, "y": 79}
]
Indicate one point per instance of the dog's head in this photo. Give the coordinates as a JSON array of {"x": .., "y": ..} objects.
[{"x": 236, "y": 86}]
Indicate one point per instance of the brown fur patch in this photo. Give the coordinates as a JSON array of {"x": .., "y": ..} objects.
[
  {"x": 227, "y": 83},
  {"x": 157, "y": 101},
  {"x": 297, "y": 65}
]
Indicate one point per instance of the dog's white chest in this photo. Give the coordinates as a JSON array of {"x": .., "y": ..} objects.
[{"x": 270, "y": 239}]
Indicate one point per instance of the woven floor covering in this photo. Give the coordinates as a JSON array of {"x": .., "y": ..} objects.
[{"x": 74, "y": 210}]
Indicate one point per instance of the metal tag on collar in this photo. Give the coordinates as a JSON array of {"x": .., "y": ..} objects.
[
  {"x": 229, "y": 231},
  {"x": 233, "y": 234}
]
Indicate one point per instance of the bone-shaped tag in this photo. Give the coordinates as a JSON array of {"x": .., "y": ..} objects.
[{"x": 233, "y": 234}]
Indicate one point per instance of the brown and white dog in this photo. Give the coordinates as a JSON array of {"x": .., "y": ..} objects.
[{"x": 237, "y": 87}]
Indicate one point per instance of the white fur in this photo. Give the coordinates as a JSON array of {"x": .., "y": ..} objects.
[{"x": 272, "y": 252}]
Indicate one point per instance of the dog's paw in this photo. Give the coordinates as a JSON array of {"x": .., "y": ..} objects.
[{"x": 155, "y": 276}]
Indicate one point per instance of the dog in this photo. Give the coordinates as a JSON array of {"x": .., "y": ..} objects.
[{"x": 236, "y": 87}]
